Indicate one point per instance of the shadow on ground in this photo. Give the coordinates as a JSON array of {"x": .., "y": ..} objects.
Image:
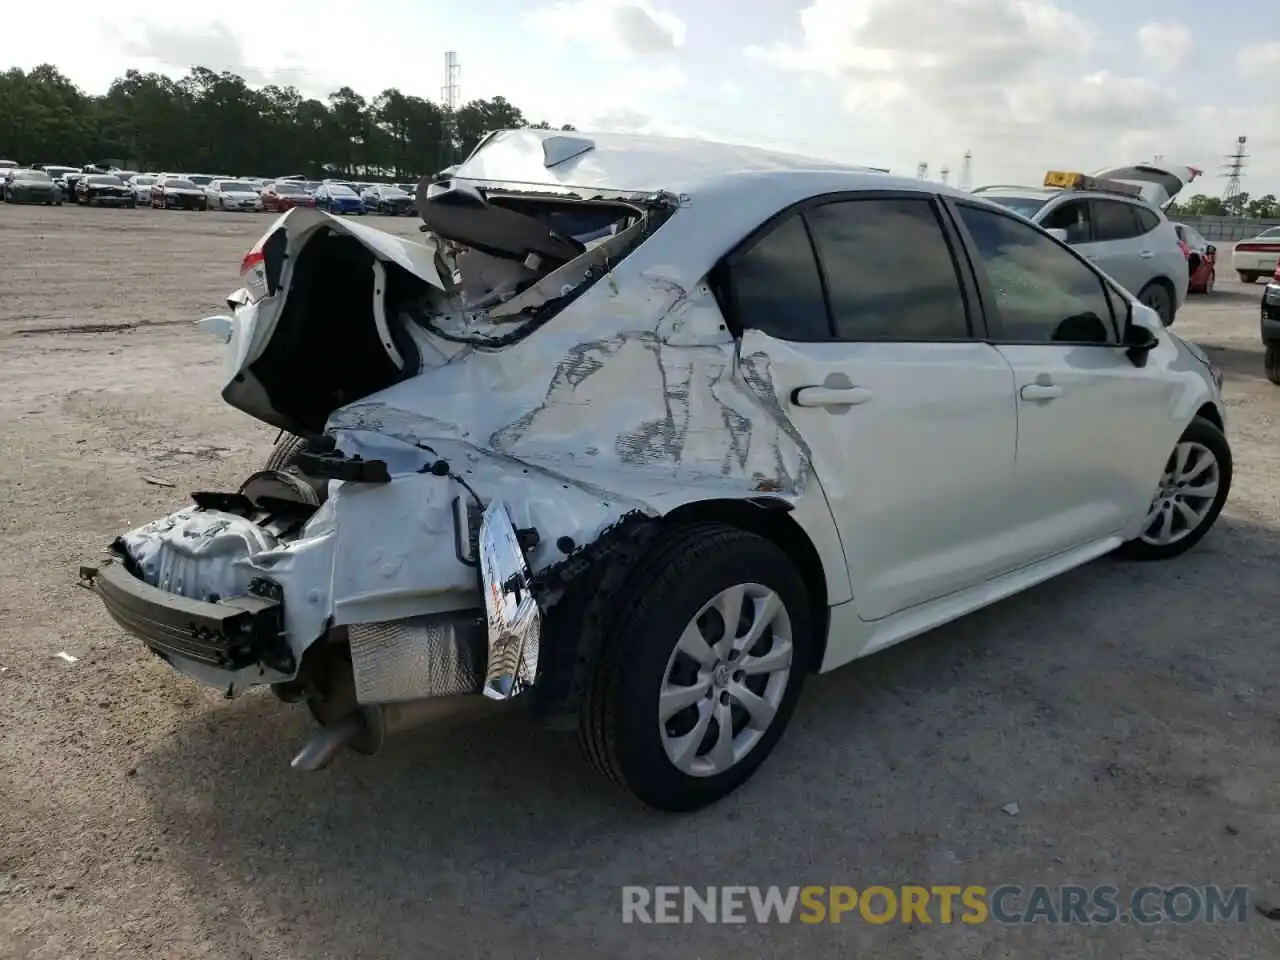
[{"x": 497, "y": 837}]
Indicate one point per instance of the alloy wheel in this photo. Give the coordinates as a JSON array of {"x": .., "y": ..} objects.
[
  {"x": 1188, "y": 488},
  {"x": 725, "y": 680}
]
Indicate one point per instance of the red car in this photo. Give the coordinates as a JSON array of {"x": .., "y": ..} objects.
[
  {"x": 1202, "y": 259},
  {"x": 282, "y": 195}
]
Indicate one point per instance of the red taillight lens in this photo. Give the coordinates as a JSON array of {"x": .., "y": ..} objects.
[
  {"x": 254, "y": 258},
  {"x": 1248, "y": 247}
]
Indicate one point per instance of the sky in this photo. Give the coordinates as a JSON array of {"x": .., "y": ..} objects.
[{"x": 1025, "y": 85}]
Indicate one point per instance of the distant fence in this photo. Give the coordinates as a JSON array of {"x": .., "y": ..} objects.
[{"x": 1226, "y": 229}]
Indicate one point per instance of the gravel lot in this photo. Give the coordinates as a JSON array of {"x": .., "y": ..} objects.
[{"x": 1130, "y": 711}]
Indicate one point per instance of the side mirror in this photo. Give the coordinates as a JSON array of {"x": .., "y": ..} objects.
[
  {"x": 1209, "y": 248},
  {"x": 1057, "y": 233},
  {"x": 1138, "y": 341}
]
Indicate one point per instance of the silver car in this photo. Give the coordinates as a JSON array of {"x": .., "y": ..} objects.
[{"x": 1115, "y": 220}]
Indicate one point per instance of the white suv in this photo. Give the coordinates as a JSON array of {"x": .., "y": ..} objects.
[{"x": 1114, "y": 220}]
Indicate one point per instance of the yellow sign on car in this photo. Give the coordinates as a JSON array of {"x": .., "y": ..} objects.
[{"x": 1065, "y": 179}]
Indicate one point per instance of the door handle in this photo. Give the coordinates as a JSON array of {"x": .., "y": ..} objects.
[
  {"x": 1090, "y": 257},
  {"x": 1040, "y": 391},
  {"x": 1146, "y": 255},
  {"x": 830, "y": 396}
]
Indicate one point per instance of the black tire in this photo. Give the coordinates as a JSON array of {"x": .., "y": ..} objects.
[
  {"x": 683, "y": 569},
  {"x": 132, "y": 204},
  {"x": 1273, "y": 362},
  {"x": 1206, "y": 434},
  {"x": 1247, "y": 277},
  {"x": 285, "y": 452},
  {"x": 1160, "y": 299}
]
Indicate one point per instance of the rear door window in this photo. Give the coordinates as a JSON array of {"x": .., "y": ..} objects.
[
  {"x": 1114, "y": 220},
  {"x": 775, "y": 287},
  {"x": 889, "y": 270}
]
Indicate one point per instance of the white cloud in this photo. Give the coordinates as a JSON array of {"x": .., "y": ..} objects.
[
  {"x": 618, "y": 28},
  {"x": 1260, "y": 61},
  {"x": 1165, "y": 44},
  {"x": 1016, "y": 81}
]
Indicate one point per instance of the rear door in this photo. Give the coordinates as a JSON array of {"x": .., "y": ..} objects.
[
  {"x": 876, "y": 349},
  {"x": 1118, "y": 248}
]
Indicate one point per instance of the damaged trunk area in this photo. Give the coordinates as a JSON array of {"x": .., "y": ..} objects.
[{"x": 352, "y": 321}]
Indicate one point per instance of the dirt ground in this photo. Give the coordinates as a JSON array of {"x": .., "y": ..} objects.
[{"x": 1130, "y": 711}]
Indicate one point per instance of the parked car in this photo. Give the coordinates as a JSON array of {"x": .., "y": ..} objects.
[
  {"x": 9, "y": 165},
  {"x": 104, "y": 189},
  {"x": 1257, "y": 256},
  {"x": 1202, "y": 259},
  {"x": 1271, "y": 327},
  {"x": 125, "y": 175},
  {"x": 201, "y": 180},
  {"x": 142, "y": 185},
  {"x": 1115, "y": 219},
  {"x": 284, "y": 195},
  {"x": 171, "y": 192},
  {"x": 56, "y": 170},
  {"x": 68, "y": 183},
  {"x": 338, "y": 198},
  {"x": 233, "y": 195},
  {"x": 31, "y": 186},
  {"x": 387, "y": 198},
  {"x": 787, "y": 413}
]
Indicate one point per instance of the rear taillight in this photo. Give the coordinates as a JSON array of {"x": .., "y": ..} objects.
[
  {"x": 1275, "y": 277},
  {"x": 262, "y": 266},
  {"x": 1248, "y": 247}
]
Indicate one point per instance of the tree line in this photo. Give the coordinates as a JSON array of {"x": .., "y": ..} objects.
[
  {"x": 215, "y": 122},
  {"x": 1241, "y": 205}
]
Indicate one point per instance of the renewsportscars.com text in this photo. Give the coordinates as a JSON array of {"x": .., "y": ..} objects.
[{"x": 1005, "y": 904}]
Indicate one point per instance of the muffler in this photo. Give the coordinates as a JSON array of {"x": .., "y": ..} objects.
[{"x": 366, "y": 729}]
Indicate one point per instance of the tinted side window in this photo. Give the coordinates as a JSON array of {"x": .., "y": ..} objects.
[
  {"x": 1073, "y": 217},
  {"x": 1043, "y": 293},
  {"x": 775, "y": 286},
  {"x": 889, "y": 270},
  {"x": 1148, "y": 220},
  {"x": 1113, "y": 220}
]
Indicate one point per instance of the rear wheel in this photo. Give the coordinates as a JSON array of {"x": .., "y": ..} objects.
[
  {"x": 702, "y": 660},
  {"x": 1247, "y": 277},
  {"x": 1273, "y": 362},
  {"x": 1191, "y": 493},
  {"x": 1157, "y": 296}
]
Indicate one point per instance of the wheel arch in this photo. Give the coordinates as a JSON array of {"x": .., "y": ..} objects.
[
  {"x": 1209, "y": 411},
  {"x": 771, "y": 518}
]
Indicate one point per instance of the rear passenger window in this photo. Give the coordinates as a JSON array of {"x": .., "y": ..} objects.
[
  {"x": 1071, "y": 216},
  {"x": 775, "y": 286},
  {"x": 889, "y": 270},
  {"x": 1148, "y": 220},
  {"x": 1113, "y": 220}
]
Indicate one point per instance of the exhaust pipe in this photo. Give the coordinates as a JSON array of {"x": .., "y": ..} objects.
[{"x": 366, "y": 729}]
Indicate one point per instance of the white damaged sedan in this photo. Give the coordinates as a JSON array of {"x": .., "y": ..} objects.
[{"x": 642, "y": 432}]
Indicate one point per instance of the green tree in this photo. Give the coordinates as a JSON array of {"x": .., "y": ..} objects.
[{"x": 215, "y": 122}]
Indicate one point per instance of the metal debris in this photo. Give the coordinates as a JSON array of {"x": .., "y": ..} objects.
[
  {"x": 1011, "y": 808},
  {"x": 157, "y": 482},
  {"x": 63, "y": 655}
]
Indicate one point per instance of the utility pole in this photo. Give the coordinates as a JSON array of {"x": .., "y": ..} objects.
[
  {"x": 922, "y": 171},
  {"x": 449, "y": 98},
  {"x": 946, "y": 172},
  {"x": 1234, "y": 168},
  {"x": 966, "y": 171}
]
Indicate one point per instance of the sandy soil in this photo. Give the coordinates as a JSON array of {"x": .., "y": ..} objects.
[{"x": 1130, "y": 711}]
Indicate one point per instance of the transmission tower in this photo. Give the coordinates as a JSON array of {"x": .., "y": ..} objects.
[
  {"x": 1234, "y": 168},
  {"x": 946, "y": 172},
  {"x": 449, "y": 93},
  {"x": 966, "y": 171},
  {"x": 922, "y": 171}
]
